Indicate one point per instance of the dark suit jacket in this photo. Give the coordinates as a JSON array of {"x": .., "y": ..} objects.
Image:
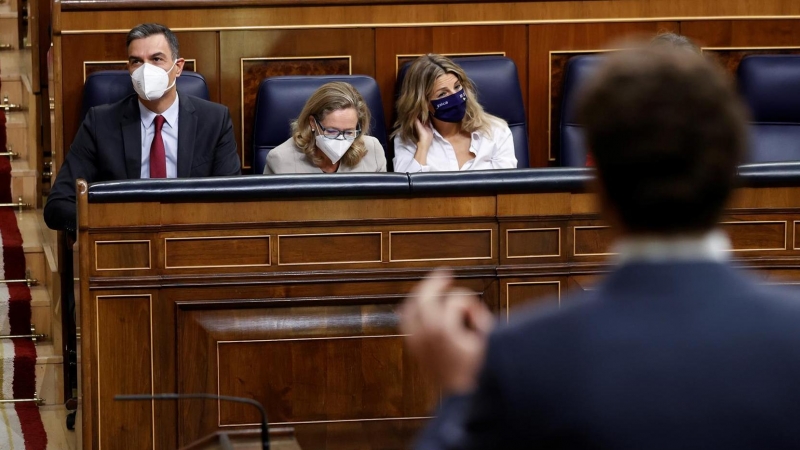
[
  {"x": 661, "y": 356},
  {"x": 108, "y": 146}
]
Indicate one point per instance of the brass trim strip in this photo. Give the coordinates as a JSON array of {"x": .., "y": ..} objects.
[
  {"x": 574, "y": 240},
  {"x": 515, "y": 230},
  {"x": 445, "y": 24},
  {"x": 522, "y": 283},
  {"x": 275, "y": 58},
  {"x": 491, "y": 244},
  {"x": 453, "y": 55},
  {"x": 379, "y": 260},
  {"x": 149, "y": 255},
  {"x": 325, "y": 338},
  {"x": 85, "y": 63},
  {"x": 191, "y": 238},
  {"x": 719, "y": 49},
  {"x": 750, "y": 222}
]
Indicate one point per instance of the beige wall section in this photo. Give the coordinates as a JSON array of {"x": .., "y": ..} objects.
[{"x": 423, "y": 15}]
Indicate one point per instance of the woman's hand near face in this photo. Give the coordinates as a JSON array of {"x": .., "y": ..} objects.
[{"x": 425, "y": 133}]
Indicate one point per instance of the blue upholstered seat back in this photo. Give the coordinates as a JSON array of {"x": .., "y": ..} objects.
[
  {"x": 109, "y": 86},
  {"x": 280, "y": 100},
  {"x": 499, "y": 92},
  {"x": 770, "y": 85},
  {"x": 573, "y": 149}
]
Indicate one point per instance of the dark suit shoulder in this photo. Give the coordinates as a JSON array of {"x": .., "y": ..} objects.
[{"x": 114, "y": 111}]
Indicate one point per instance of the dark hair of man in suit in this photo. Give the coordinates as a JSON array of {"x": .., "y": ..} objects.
[
  {"x": 667, "y": 132},
  {"x": 145, "y": 30}
]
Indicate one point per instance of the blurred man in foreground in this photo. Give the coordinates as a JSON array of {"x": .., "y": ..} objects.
[{"x": 675, "y": 349}]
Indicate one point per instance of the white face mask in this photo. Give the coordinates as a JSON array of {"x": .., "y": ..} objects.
[
  {"x": 151, "y": 82},
  {"x": 333, "y": 148}
]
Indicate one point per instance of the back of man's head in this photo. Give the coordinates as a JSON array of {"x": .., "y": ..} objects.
[{"x": 667, "y": 132}]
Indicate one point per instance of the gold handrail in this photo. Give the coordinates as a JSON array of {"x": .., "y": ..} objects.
[
  {"x": 36, "y": 399},
  {"x": 11, "y": 154},
  {"x": 33, "y": 336},
  {"x": 19, "y": 204},
  {"x": 29, "y": 280},
  {"x": 10, "y": 107}
]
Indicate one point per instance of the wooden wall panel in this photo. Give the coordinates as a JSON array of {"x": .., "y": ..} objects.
[
  {"x": 263, "y": 14},
  {"x": 395, "y": 44},
  {"x": 729, "y": 41},
  {"x": 321, "y": 361},
  {"x": 121, "y": 320},
  {"x": 548, "y": 39},
  {"x": 542, "y": 291},
  {"x": 300, "y": 52},
  {"x": 80, "y": 49},
  {"x": 743, "y": 33}
]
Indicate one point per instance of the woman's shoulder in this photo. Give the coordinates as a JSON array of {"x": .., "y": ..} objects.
[
  {"x": 288, "y": 150},
  {"x": 372, "y": 143},
  {"x": 497, "y": 129},
  {"x": 375, "y": 149}
]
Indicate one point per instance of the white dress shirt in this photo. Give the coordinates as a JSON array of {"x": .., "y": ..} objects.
[
  {"x": 712, "y": 246},
  {"x": 169, "y": 133},
  {"x": 491, "y": 152}
]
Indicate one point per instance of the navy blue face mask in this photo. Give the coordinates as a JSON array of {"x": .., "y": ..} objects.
[{"x": 451, "y": 108}]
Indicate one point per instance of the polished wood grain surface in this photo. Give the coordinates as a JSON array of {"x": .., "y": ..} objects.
[
  {"x": 311, "y": 331},
  {"x": 82, "y": 5}
]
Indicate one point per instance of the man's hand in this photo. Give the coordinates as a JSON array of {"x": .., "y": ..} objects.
[{"x": 447, "y": 330}]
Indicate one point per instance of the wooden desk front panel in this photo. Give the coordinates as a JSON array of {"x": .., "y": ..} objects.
[{"x": 302, "y": 317}]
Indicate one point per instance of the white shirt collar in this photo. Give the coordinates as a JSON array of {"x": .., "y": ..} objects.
[
  {"x": 475, "y": 134},
  {"x": 712, "y": 246},
  {"x": 170, "y": 115}
]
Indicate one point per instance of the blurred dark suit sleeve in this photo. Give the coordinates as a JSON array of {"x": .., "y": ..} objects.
[
  {"x": 474, "y": 421},
  {"x": 59, "y": 212}
]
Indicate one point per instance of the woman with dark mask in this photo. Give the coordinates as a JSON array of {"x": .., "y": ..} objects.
[{"x": 442, "y": 127}]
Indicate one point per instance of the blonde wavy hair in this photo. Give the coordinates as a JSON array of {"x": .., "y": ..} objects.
[
  {"x": 417, "y": 87},
  {"x": 331, "y": 97}
]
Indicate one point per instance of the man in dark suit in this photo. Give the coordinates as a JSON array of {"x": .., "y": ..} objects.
[
  {"x": 674, "y": 349},
  {"x": 153, "y": 134}
]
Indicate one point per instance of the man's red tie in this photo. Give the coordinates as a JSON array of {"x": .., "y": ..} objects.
[{"x": 158, "y": 158}]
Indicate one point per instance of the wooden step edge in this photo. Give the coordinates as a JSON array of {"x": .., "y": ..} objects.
[
  {"x": 40, "y": 296},
  {"x": 45, "y": 354},
  {"x": 29, "y": 227},
  {"x": 16, "y": 119},
  {"x": 20, "y": 168},
  {"x": 11, "y": 76}
]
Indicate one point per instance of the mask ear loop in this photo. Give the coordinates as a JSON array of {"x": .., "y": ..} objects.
[{"x": 176, "y": 78}]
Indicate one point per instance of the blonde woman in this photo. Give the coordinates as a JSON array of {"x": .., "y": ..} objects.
[
  {"x": 330, "y": 135},
  {"x": 442, "y": 127}
]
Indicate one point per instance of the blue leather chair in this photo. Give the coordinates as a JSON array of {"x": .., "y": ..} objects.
[
  {"x": 770, "y": 85},
  {"x": 496, "y": 80},
  {"x": 280, "y": 100},
  {"x": 572, "y": 152},
  {"x": 109, "y": 86}
]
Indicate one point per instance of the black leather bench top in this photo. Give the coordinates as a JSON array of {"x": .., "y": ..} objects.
[{"x": 488, "y": 182}]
